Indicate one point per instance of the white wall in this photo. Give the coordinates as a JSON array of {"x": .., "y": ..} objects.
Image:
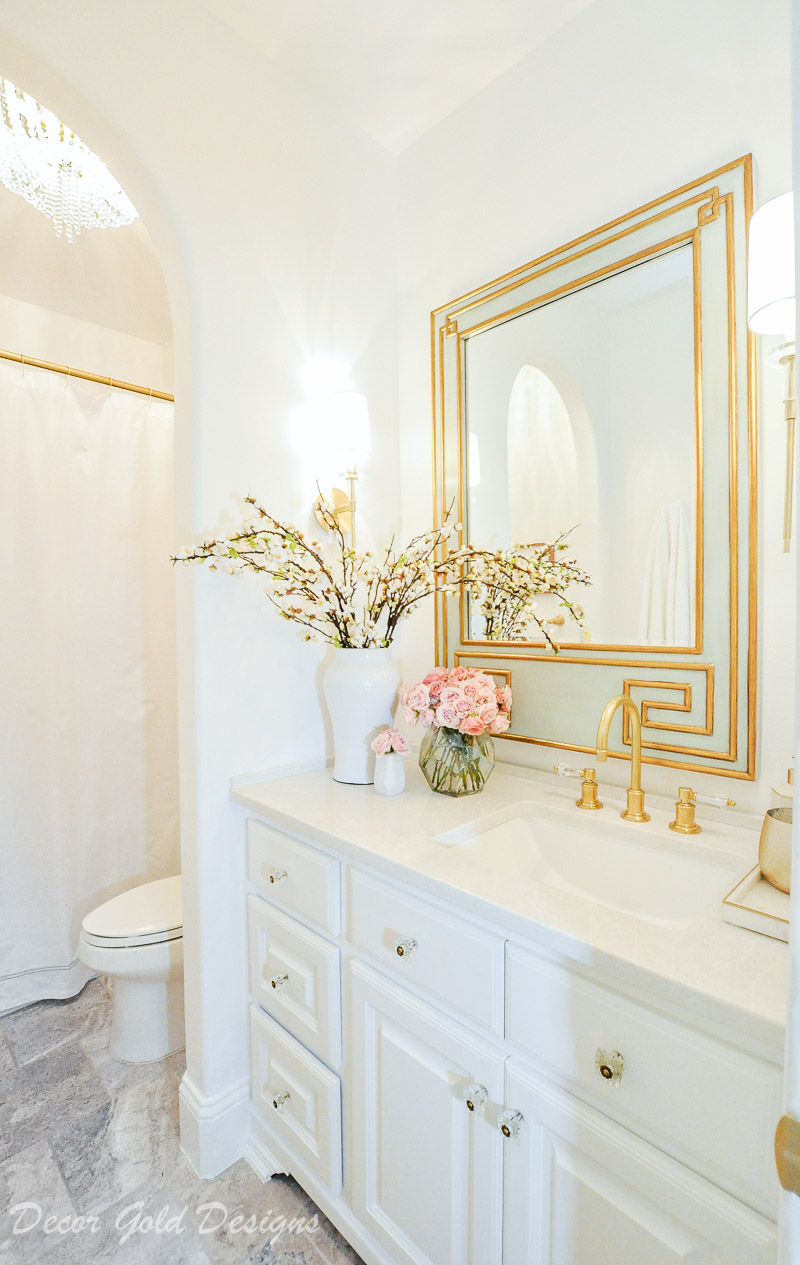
[
  {"x": 47, "y": 335},
  {"x": 274, "y": 224},
  {"x": 626, "y": 102}
]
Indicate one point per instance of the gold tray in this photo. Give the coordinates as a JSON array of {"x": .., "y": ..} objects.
[{"x": 757, "y": 905}]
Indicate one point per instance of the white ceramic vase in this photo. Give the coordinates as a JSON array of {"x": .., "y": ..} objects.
[
  {"x": 390, "y": 774},
  {"x": 360, "y": 690}
]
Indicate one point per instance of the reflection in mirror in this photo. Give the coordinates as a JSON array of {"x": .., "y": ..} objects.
[{"x": 582, "y": 419}]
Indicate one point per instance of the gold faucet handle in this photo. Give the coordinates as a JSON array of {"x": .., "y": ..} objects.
[
  {"x": 589, "y": 787},
  {"x": 588, "y": 797},
  {"x": 687, "y": 801}
]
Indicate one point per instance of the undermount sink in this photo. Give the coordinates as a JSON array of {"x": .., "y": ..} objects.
[{"x": 629, "y": 868}]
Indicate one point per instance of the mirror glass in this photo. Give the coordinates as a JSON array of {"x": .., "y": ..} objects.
[{"x": 582, "y": 418}]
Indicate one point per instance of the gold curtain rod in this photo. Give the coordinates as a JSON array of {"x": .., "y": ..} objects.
[{"x": 69, "y": 372}]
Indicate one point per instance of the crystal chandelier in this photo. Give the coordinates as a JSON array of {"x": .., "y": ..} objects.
[{"x": 51, "y": 168}]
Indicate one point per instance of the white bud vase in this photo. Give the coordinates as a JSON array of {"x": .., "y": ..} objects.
[
  {"x": 390, "y": 774},
  {"x": 360, "y": 690}
]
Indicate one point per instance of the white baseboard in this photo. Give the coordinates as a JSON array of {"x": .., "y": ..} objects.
[
  {"x": 261, "y": 1159},
  {"x": 214, "y": 1130}
]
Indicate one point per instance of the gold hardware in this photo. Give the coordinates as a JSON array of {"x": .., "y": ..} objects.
[
  {"x": 280, "y": 1100},
  {"x": 510, "y": 1123},
  {"x": 277, "y": 876},
  {"x": 684, "y": 823},
  {"x": 342, "y": 508},
  {"x": 787, "y": 1153},
  {"x": 635, "y": 806},
  {"x": 558, "y": 621},
  {"x": 404, "y": 946},
  {"x": 588, "y": 797},
  {"x": 278, "y": 980},
  {"x": 476, "y": 1098},
  {"x": 610, "y": 1064},
  {"x": 69, "y": 372}
]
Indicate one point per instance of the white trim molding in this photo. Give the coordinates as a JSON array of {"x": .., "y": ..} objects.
[{"x": 214, "y": 1130}]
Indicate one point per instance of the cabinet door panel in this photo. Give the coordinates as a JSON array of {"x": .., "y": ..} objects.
[
  {"x": 581, "y": 1190},
  {"x": 426, "y": 1172}
]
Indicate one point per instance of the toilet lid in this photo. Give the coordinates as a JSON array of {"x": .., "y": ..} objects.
[{"x": 147, "y": 913}]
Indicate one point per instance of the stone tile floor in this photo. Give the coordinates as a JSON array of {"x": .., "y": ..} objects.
[{"x": 93, "y": 1144}]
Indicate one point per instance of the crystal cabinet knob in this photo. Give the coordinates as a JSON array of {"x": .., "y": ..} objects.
[
  {"x": 610, "y": 1064},
  {"x": 476, "y": 1097},
  {"x": 280, "y": 1099},
  {"x": 278, "y": 980},
  {"x": 276, "y": 876},
  {"x": 510, "y": 1123},
  {"x": 404, "y": 946}
]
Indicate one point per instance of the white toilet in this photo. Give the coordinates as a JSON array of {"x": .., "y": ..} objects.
[{"x": 137, "y": 939}]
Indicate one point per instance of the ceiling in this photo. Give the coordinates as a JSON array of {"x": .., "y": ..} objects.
[
  {"x": 110, "y": 277},
  {"x": 395, "y": 67}
]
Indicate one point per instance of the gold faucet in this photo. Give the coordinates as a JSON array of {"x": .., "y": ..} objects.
[{"x": 635, "y": 809}]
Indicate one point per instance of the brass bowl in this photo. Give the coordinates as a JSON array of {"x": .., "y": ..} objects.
[{"x": 775, "y": 848}]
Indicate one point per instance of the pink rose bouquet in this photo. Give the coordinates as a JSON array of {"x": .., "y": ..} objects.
[
  {"x": 388, "y": 741},
  {"x": 462, "y": 709},
  {"x": 463, "y": 699}
]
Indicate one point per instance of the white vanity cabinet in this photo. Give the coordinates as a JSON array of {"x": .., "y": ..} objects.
[
  {"x": 453, "y": 1096},
  {"x": 582, "y": 1190},
  {"x": 426, "y": 1171}
]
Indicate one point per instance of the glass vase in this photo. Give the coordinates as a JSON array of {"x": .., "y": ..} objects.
[{"x": 456, "y": 763}]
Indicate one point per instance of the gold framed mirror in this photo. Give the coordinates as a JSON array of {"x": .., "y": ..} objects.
[{"x": 607, "y": 390}]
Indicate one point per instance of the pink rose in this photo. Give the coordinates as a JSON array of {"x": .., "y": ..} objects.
[
  {"x": 500, "y": 723},
  {"x": 451, "y": 695},
  {"x": 436, "y": 675},
  {"x": 471, "y": 690},
  {"x": 464, "y": 706},
  {"x": 447, "y": 717},
  {"x": 408, "y": 716},
  {"x": 418, "y": 697},
  {"x": 382, "y": 743},
  {"x": 487, "y": 713},
  {"x": 472, "y": 725},
  {"x": 461, "y": 674},
  {"x": 505, "y": 696},
  {"x": 397, "y": 741},
  {"x": 428, "y": 718}
]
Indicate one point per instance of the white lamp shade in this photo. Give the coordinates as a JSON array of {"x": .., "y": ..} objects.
[
  {"x": 348, "y": 420},
  {"x": 770, "y": 269}
]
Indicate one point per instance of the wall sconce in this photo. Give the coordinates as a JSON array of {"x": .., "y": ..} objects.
[
  {"x": 771, "y": 309},
  {"x": 346, "y": 416}
]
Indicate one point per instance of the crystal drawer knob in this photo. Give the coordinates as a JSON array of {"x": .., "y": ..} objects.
[
  {"x": 476, "y": 1097},
  {"x": 279, "y": 980},
  {"x": 404, "y": 946},
  {"x": 280, "y": 1099},
  {"x": 510, "y": 1123},
  {"x": 610, "y": 1064},
  {"x": 276, "y": 876}
]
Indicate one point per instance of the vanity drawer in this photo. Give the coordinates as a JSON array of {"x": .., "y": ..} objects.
[
  {"x": 294, "y": 876},
  {"x": 298, "y": 1097},
  {"x": 424, "y": 945},
  {"x": 294, "y": 974},
  {"x": 709, "y": 1105}
]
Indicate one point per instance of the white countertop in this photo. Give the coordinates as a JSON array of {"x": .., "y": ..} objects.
[{"x": 721, "y": 978}]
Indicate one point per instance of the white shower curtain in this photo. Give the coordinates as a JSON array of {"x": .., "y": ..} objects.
[{"x": 88, "y": 746}]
